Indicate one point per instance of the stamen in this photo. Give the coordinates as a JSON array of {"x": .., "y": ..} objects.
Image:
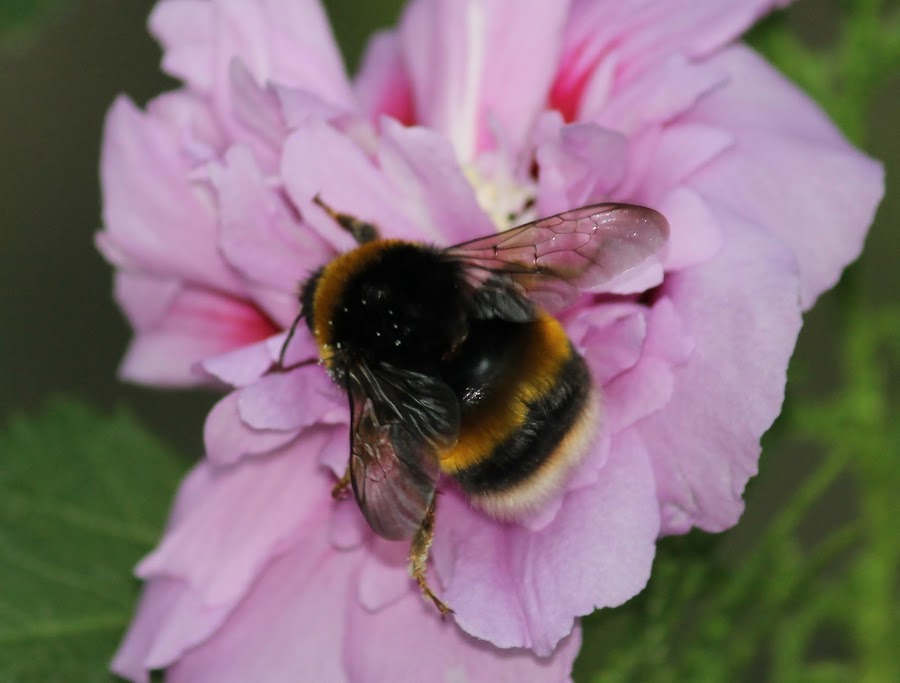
[{"x": 508, "y": 200}]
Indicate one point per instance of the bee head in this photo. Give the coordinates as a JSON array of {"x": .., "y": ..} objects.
[{"x": 405, "y": 307}]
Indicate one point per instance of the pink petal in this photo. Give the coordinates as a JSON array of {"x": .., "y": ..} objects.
[
  {"x": 790, "y": 170},
  {"x": 741, "y": 310},
  {"x": 637, "y": 393},
  {"x": 170, "y": 617},
  {"x": 680, "y": 150},
  {"x": 431, "y": 649},
  {"x": 384, "y": 576},
  {"x": 694, "y": 28},
  {"x": 156, "y": 220},
  {"x": 169, "y": 620},
  {"x": 470, "y": 59},
  {"x": 251, "y": 514},
  {"x": 346, "y": 179},
  {"x": 642, "y": 150},
  {"x": 228, "y": 438},
  {"x": 145, "y": 299},
  {"x": 300, "y": 106},
  {"x": 200, "y": 135},
  {"x": 242, "y": 366},
  {"x": 187, "y": 623},
  {"x": 578, "y": 166},
  {"x": 288, "y": 42},
  {"x": 438, "y": 198},
  {"x": 260, "y": 235},
  {"x": 540, "y": 518},
  {"x": 197, "y": 325},
  {"x": 247, "y": 364},
  {"x": 635, "y": 280},
  {"x": 257, "y": 109},
  {"x": 518, "y": 588},
  {"x": 262, "y": 640},
  {"x": 191, "y": 494},
  {"x": 290, "y": 627},
  {"x": 610, "y": 337},
  {"x": 348, "y": 528},
  {"x": 694, "y": 235},
  {"x": 335, "y": 457},
  {"x": 608, "y": 44},
  {"x": 186, "y": 29},
  {"x": 302, "y": 348},
  {"x": 656, "y": 96},
  {"x": 291, "y": 400},
  {"x": 667, "y": 337},
  {"x": 382, "y": 84}
]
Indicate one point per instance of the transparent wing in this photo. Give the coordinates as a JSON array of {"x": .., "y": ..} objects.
[
  {"x": 551, "y": 260},
  {"x": 400, "y": 421}
]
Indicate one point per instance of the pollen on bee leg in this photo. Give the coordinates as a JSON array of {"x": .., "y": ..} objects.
[
  {"x": 418, "y": 557},
  {"x": 339, "y": 491}
]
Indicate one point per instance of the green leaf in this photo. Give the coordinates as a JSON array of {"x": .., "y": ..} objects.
[
  {"x": 20, "y": 18},
  {"x": 82, "y": 497}
]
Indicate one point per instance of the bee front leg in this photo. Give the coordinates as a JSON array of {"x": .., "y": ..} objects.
[
  {"x": 418, "y": 557},
  {"x": 340, "y": 488}
]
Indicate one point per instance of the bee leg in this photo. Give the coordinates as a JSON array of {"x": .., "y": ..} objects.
[
  {"x": 418, "y": 557},
  {"x": 362, "y": 232},
  {"x": 340, "y": 488}
]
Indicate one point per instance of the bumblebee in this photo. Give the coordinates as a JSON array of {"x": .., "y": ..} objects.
[{"x": 454, "y": 365}]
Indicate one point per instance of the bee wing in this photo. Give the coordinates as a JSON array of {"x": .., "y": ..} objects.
[
  {"x": 551, "y": 260},
  {"x": 400, "y": 421}
]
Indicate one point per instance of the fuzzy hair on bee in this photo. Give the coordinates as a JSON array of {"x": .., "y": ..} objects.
[{"x": 455, "y": 367}]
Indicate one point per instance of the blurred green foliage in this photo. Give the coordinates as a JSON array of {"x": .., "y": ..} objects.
[
  {"x": 20, "y": 19},
  {"x": 82, "y": 497},
  {"x": 843, "y": 76}
]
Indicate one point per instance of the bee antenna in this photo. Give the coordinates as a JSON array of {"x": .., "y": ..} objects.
[
  {"x": 289, "y": 337},
  {"x": 362, "y": 232}
]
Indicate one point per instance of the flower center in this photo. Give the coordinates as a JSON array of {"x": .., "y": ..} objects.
[{"x": 507, "y": 199}]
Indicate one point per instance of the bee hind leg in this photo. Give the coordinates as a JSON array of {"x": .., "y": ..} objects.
[{"x": 418, "y": 557}]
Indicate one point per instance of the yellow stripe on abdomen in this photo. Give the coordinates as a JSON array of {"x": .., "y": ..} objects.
[{"x": 532, "y": 376}]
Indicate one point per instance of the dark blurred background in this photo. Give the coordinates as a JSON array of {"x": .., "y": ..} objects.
[{"x": 60, "y": 332}]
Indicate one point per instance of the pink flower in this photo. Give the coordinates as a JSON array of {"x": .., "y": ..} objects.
[{"x": 457, "y": 118}]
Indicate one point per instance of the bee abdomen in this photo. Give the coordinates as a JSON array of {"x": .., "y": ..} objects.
[
  {"x": 533, "y": 462},
  {"x": 518, "y": 444}
]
